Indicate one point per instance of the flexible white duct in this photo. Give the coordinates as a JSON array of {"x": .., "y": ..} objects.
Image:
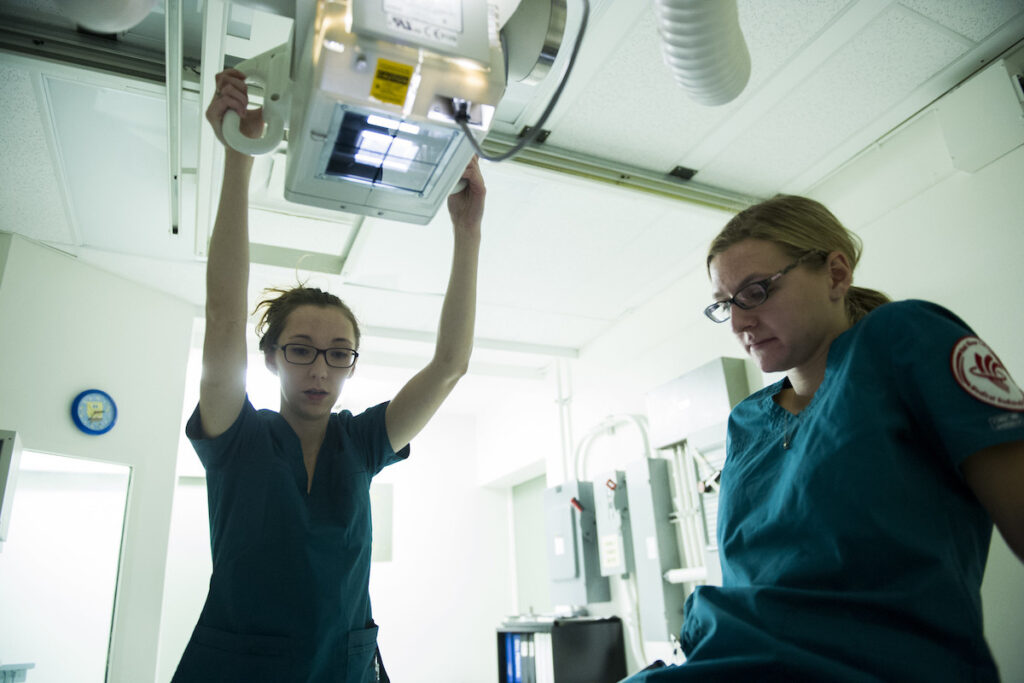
[{"x": 703, "y": 46}]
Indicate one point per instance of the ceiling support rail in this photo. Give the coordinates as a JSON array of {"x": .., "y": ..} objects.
[
  {"x": 607, "y": 171},
  {"x": 215, "y": 19},
  {"x": 71, "y": 47},
  {"x": 173, "y": 49}
]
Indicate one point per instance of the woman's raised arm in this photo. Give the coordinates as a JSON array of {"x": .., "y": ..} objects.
[{"x": 222, "y": 388}]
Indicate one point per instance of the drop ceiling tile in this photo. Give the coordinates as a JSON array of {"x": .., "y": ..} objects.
[
  {"x": 561, "y": 259},
  {"x": 528, "y": 326},
  {"x": 777, "y": 31},
  {"x": 401, "y": 256},
  {"x": 671, "y": 246},
  {"x": 185, "y": 281},
  {"x": 45, "y": 6},
  {"x": 557, "y": 246},
  {"x": 634, "y": 98},
  {"x": 294, "y": 232},
  {"x": 421, "y": 311},
  {"x": 868, "y": 76},
  {"x": 30, "y": 191},
  {"x": 113, "y": 142},
  {"x": 976, "y": 20},
  {"x": 542, "y": 236}
]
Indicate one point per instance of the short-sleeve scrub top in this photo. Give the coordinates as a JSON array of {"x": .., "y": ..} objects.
[
  {"x": 289, "y": 593},
  {"x": 851, "y": 547}
]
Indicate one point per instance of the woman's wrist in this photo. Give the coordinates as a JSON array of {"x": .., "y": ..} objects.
[{"x": 236, "y": 158}]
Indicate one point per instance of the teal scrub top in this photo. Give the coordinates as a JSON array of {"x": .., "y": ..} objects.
[
  {"x": 851, "y": 547},
  {"x": 289, "y": 593}
]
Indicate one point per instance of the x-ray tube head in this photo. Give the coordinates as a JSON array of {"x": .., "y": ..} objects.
[{"x": 370, "y": 118}]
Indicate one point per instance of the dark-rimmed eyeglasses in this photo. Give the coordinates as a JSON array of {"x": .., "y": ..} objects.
[
  {"x": 304, "y": 354},
  {"x": 751, "y": 295}
]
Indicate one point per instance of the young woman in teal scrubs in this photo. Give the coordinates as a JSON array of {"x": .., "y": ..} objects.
[
  {"x": 858, "y": 494},
  {"x": 289, "y": 490}
]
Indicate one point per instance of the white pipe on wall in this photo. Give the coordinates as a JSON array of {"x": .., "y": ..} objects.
[
  {"x": 703, "y": 46},
  {"x": 563, "y": 378},
  {"x": 687, "y": 575},
  {"x": 688, "y": 509},
  {"x": 608, "y": 425}
]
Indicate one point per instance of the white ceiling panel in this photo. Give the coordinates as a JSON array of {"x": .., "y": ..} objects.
[
  {"x": 185, "y": 280},
  {"x": 670, "y": 248},
  {"x": 115, "y": 139},
  {"x": 30, "y": 190},
  {"x": 543, "y": 236},
  {"x": 47, "y": 6},
  {"x": 976, "y": 20},
  {"x": 634, "y": 100},
  {"x": 563, "y": 257},
  {"x": 280, "y": 229},
  {"x": 556, "y": 242},
  {"x": 891, "y": 57}
]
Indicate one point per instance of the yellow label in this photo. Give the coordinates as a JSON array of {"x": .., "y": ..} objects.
[{"x": 391, "y": 82}]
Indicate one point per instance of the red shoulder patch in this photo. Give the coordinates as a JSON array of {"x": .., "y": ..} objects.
[{"x": 979, "y": 372}]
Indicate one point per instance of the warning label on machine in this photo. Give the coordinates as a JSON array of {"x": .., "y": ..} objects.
[{"x": 391, "y": 81}]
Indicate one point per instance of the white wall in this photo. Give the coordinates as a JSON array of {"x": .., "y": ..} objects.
[
  {"x": 450, "y": 582},
  {"x": 67, "y": 327},
  {"x": 521, "y": 424}
]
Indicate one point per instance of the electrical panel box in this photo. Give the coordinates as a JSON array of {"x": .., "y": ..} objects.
[
  {"x": 611, "y": 512},
  {"x": 572, "y": 546},
  {"x": 655, "y": 548},
  {"x": 699, "y": 399}
]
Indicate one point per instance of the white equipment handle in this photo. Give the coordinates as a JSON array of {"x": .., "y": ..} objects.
[{"x": 270, "y": 71}]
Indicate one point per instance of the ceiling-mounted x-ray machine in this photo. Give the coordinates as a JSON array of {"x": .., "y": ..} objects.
[
  {"x": 383, "y": 102},
  {"x": 378, "y": 99}
]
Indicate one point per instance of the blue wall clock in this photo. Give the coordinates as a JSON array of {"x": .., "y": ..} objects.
[{"x": 94, "y": 411}]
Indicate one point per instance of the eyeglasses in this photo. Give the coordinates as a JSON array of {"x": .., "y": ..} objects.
[
  {"x": 304, "y": 354},
  {"x": 751, "y": 296}
]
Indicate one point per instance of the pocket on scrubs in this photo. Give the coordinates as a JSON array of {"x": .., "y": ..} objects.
[
  {"x": 214, "y": 655},
  {"x": 362, "y": 648}
]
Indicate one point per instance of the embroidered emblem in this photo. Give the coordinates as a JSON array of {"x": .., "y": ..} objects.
[{"x": 979, "y": 372}]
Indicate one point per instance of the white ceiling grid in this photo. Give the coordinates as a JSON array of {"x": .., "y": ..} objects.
[{"x": 563, "y": 259}]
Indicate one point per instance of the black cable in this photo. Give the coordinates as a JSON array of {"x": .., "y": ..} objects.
[{"x": 462, "y": 114}]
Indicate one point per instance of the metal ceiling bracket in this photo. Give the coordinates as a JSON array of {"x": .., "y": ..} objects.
[
  {"x": 215, "y": 19},
  {"x": 616, "y": 173},
  {"x": 67, "y": 46}
]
